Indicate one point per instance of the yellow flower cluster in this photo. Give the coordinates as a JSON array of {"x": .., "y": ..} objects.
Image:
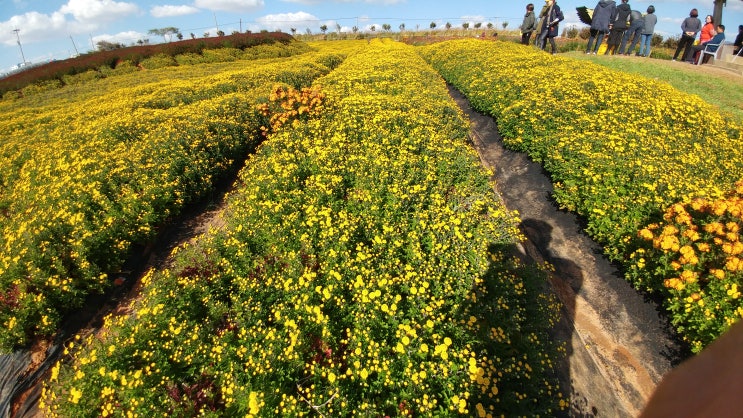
[
  {"x": 89, "y": 169},
  {"x": 696, "y": 254},
  {"x": 620, "y": 150},
  {"x": 360, "y": 271}
]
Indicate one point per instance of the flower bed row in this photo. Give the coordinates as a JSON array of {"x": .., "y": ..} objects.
[
  {"x": 620, "y": 150},
  {"x": 363, "y": 270},
  {"x": 87, "y": 171}
]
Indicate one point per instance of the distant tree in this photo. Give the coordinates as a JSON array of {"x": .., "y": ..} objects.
[
  {"x": 308, "y": 31},
  {"x": 338, "y": 28},
  {"x": 293, "y": 30},
  {"x": 166, "y": 33},
  {"x": 323, "y": 29},
  {"x": 490, "y": 25},
  {"x": 584, "y": 33},
  {"x": 504, "y": 24},
  {"x": 193, "y": 35},
  {"x": 448, "y": 25},
  {"x": 571, "y": 32},
  {"x": 432, "y": 25},
  {"x": 220, "y": 33},
  {"x": 671, "y": 42},
  {"x": 108, "y": 46},
  {"x": 140, "y": 42},
  {"x": 402, "y": 27},
  {"x": 373, "y": 28},
  {"x": 465, "y": 25},
  {"x": 386, "y": 27},
  {"x": 478, "y": 25},
  {"x": 355, "y": 29},
  {"x": 235, "y": 32},
  {"x": 656, "y": 39},
  {"x": 206, "y": 34},
  {"x": 179, "y": 36}
]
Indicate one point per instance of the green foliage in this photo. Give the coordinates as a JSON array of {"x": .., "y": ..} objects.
[
  {"x": 362, "y": 270},
  {"x": 92, "y": 171},
  {"x": 618, "y": 176}
]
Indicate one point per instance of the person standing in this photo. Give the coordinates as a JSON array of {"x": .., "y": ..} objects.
[
  {"x": 551, "y": 18},
  {"x": 529, "y": 24},
  {"x": 689, "y": 29},
  {"x": 637, "y": 23},
  {"x": 603, "y": 15},
  {"x": 650, "y": 20},
  {"x": 618, "y": 28}
]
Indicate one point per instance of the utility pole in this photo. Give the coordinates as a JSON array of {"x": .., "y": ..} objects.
[
  {"x": 215, "y": 22},
  {"x": 19, "y": 44},
  {"x": 717, "y": 14},
  {"x": 74, "y": 46}
]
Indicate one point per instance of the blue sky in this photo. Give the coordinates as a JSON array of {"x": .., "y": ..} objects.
[{"x": 55, "y": 29}]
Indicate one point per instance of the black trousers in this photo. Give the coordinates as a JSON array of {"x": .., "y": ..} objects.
[
  {"x": 525, "y": 38},
  {"x": 685, "y": 42}
]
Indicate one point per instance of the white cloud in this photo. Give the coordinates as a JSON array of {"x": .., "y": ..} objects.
[
  {"x": 286, "y": 21},
  {"x": 97, "y": 11},
  {"x": 313, "y": 2},
  {"x": 167, "y": 11},
  {"x": 230, "y": 5},
  {"x": 126, "y": 38},
  {"x": 74, "y": 17},
  {"x": 33, "y": 27}
]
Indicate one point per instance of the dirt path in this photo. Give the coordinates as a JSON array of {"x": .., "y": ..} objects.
[{"x": 618, "y": 345}]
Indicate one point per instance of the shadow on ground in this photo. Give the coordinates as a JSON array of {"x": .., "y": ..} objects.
[{"x": 619, "y": 345}]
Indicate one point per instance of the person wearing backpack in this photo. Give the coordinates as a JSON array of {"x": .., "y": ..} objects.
[{"x": 529, "y": 24}]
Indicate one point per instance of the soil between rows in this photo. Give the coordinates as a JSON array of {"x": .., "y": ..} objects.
[{"x": 619, "y": 344}]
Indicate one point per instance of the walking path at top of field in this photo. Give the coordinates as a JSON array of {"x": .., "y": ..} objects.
[{"x": 618, "y": 344}]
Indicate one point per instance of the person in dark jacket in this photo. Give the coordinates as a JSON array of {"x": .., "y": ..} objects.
[
  {"x": 689, "y": 29},
  {"x": 551, "y": 17},
  {"x": 602, "y": 21},
  {"x": 637, "y": 24},
  {"x": 620, "y": 25},
  {"x": 738, "y": 44},
  {"x": 529, "y": 24}
]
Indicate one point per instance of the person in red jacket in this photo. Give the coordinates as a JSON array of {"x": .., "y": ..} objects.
[
  {"x": 714, "y": 43},
  {"x": 708, "y": 30}
]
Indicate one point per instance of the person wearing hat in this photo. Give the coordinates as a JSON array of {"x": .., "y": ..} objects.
[
  {"x": 551, "y": 17},
  {"x": 602, "y": 21},
  {"x": 689, "y": 29}
]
